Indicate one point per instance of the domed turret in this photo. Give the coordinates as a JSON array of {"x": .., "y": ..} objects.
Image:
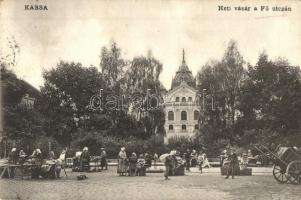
[{"x": 183, "y": 75}]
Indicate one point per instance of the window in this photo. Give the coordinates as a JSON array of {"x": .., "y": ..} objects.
[
  {"x": 177, "y": 99},
  {"x": 183, "y": 115},
  {"x": 196, "y": 115},
  {"x": 189, "y": 98},
  {"x": 170, "y": 115},
  {"x": 170, "y": 127},
  {"x": 196, "y": 127},
  {"x": 183, "y": 127},
  {"x": 183, "y": 99}
]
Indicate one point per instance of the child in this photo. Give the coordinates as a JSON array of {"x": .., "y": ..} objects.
[{"x": 200, "y": 162}]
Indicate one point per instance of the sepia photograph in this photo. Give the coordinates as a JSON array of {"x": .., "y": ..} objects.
[{"x": 150, "y": 99}]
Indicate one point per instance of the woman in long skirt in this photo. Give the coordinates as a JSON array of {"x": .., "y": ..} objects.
[
  {"x": 205, "y": 162},
  {"x": 122, "y": 162}
]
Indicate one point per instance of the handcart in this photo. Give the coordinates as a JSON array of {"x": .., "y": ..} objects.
[{"x": 287, "y": 163}]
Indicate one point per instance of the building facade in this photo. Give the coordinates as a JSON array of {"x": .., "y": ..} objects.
[{"x": 181, "y": 107}]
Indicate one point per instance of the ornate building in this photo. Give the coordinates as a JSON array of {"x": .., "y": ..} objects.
[{"x": 180, "y": 102}]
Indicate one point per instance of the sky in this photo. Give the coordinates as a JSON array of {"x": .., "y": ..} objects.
[{"x": 77, "y": 30}]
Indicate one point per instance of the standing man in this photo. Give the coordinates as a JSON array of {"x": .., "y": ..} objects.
[
  {"x": 103, "y": 159},
  {"x": 233, "y": 160},
  {"x": 168, "y": 166}
]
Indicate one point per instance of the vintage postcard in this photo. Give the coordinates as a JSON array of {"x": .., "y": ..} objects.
[{"x": 150, "y": 99}]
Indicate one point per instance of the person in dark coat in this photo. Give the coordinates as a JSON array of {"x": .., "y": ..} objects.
[
  {"x": 168, "y": 166},
  {"x": 187, "y": 159},
  {"x": 37, "y": 161},
  {"x": 148, "y": 160},
  {"x": 103, "y": 159},
  {"x": 233, "y": 160},
  {"x": 132, "y": 164},
  {"x": 13, "y": 156},
  {"x": 22, "y": 157},
  {"x": 85, "y": 160}
]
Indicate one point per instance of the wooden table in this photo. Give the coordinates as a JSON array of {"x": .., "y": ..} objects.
[{"x": 10, "y": 169}]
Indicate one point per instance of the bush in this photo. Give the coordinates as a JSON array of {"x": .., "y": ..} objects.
[
  {"x": 182, "y": 143},
  {"x": 112, "y": 144}
]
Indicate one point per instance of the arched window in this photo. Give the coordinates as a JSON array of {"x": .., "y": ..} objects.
[
  {"x": 189, "y": 98},
  {"x": 183, "y": 127},
  {"x": 183, "y": 115},
  {"x": 177, "y": 99},
  {"x": 170, "y": 127},
  {"x": 170, "y": 115},
  {"x": 183, "y": 99},
  {"x": 196, "y": 115}
]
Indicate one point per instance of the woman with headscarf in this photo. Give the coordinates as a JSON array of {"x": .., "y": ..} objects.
[
  {"x": 205, "y": 162},
  {"x": 22, "y": 157},
  {"x": 122, "y": 162},
  {"x": 13, "y": 156},
  {"x": 172, "y": 170},
  {"x": 37, "y": 161},
  {"x": 85, "y": 160},
  {"x": 60, "y": 164},
  {"x": 132, "y": 164},
  {"x": 103, "y": 159}
]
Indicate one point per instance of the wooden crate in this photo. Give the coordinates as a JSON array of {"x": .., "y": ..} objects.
[
  {"x": 141, "y": 172},
  {"x": 237, "y": 172},
  {"x": 178, "y": 172},
  {"x": 245, "y": 172}
]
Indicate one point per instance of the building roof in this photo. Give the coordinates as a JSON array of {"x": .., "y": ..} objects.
[
  {"x": 183, "y": 85},
  {"x": 183, "y": 75}
]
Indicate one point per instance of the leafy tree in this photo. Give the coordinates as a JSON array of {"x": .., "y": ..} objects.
[
  {"x": 20, "y": 123},
  {"x": 271, "y": 98},
  {"x": 142, "y": 77},
  {"x": 223, "y": 81},
  {"x": 67, "y": 92},
  {"x": 9, "y": 53},
  {"x": 112, "y": 66}
]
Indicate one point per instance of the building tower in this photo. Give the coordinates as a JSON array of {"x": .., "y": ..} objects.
[{"x": 180, "y": 105}]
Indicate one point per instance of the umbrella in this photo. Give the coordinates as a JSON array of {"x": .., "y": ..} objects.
[{"x": 163, "y": 157}]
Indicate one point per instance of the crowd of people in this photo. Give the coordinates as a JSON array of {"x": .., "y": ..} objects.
[
  {"x": 193, "y": 159},
  {"x": 175, "y": 162},
  {"x": 49, "y": 167},
  {"x": 133, "y": 165},
  {"x": 82, "y": 159}
]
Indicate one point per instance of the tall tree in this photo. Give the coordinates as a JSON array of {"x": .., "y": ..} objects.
[
  {"x": 222, "y": 81},
  {"x": 67, "y": 92},
  {"x": 142, "y": 78},
  {"x": 271, "y": 97},
  {"x": 112, "y": 66}
]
